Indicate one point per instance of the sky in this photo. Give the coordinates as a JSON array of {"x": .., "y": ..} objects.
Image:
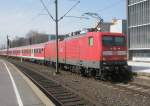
[{"x": 18, "y": 17}]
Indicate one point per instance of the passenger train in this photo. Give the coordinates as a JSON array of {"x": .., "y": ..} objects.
[{"x": 99, "y": 54}]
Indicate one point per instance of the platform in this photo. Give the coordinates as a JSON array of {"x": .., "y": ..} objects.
[
  {"x": 141, "y": 68},
  {"x": 14, "y": 90}
]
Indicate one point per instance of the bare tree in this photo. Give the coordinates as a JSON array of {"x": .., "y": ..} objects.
[{"x": 32, "y": 37}]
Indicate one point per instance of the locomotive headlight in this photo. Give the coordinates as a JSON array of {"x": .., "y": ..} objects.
[{"x": 125, "y": 58}]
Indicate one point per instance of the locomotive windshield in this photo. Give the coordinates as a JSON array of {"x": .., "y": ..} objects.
[{"x": 113, "y": 41}]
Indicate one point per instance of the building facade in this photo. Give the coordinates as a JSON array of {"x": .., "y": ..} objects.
[
  {"x": 139, "y": 29},
  {"x": 117, "y": 25}
]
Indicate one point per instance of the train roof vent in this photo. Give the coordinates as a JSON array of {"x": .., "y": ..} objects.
[
  {"x": 82, "y": 32},
  {"x": 85, "y": 30},
  {"x": 74, "y": 33}
]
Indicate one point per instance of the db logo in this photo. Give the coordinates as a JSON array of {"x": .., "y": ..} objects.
[{"x": 114, "y": 48}]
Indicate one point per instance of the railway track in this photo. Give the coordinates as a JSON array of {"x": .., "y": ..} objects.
[
  {"x": 136, "y": 89},
  {"x": 132, "y": 88},
  {"x": 59, "y": 95}
]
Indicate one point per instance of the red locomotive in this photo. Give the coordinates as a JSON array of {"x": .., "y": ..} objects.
[{"x": 99, "y": 54}]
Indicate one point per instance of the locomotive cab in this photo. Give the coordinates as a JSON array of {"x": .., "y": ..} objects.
[
  {"x": 114, "y": 50},
  {"x": 113, "y": 56}
]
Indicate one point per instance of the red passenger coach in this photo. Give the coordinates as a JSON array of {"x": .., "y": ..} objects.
[
  {"x": 34, "y": 52},
  {"x": 3, "y": 52},
  {"x": 37, "y": 52},
  {"x": 26, "y": 52}
]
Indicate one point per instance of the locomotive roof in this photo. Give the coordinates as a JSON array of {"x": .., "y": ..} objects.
[{"x": 103, "y": 33}]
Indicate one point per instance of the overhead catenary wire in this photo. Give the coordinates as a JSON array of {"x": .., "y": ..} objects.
[
  {"x": 45, "y": 8},
  {"x": 42, "y": 2},
  {"x": 77, "y": 17},
  {"x": 69, "y": 10},
  {"x": 110, "y": 5}
]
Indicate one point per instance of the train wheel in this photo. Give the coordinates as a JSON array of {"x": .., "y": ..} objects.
[
  {"x": 82, "y": 71},
  {"x": 103, "y": 77},
  {"x": 101, "y": 74},
  {"x": 126, "y": 74},
  {"x": 88, "y": 72},
  {"x": 93, "y": 73}
]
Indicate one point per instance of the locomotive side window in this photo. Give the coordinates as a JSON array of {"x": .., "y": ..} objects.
[{"x": 91, "y": 41}]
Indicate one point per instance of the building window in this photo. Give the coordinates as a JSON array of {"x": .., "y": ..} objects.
[{"x": 91, "y": 41}]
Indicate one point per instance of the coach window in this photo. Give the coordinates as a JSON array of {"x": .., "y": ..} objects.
[
  {"x": 34, "y": 50},
  {"x": 91, "y": 41}
]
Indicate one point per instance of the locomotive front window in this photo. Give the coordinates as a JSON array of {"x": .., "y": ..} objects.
[
  {"x": 119, "y": 41},
  {"x": 113, "y": 41},
  {"x": 107, "y": 40}
]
